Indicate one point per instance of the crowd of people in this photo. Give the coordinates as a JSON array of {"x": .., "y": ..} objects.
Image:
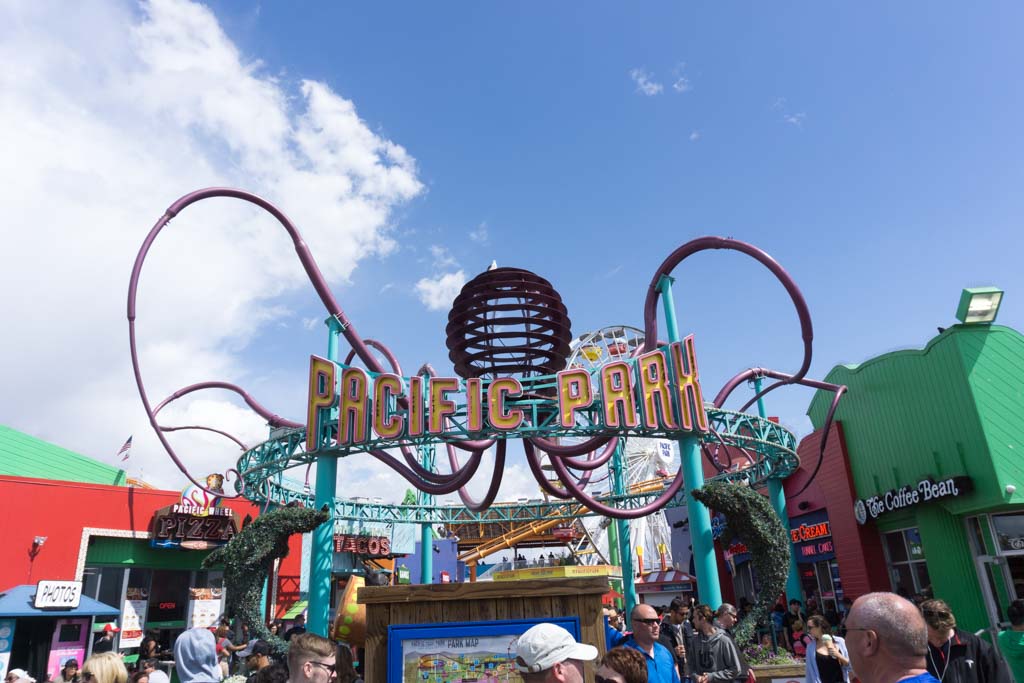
[
  {"x": 205, "y": 655},
  {"x": 311, "y": 659},
  {"x": 872, "y": 640},
  {"x": 879, "y": 638}
]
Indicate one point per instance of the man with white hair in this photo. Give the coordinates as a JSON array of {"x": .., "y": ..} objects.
[
  {"x": 887, "y": 640},
  {"x": 546, "y": 653}
]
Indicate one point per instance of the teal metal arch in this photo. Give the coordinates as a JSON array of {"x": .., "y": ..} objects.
[{"x": 262, "y": 469}]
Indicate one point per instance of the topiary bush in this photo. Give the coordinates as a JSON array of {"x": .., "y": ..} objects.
[
  {"x": 249, "y": 557},
  {"x": 750, "y": 517}
]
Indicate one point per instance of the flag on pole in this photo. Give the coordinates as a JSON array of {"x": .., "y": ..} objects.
[{"x": 126, "y": 449}]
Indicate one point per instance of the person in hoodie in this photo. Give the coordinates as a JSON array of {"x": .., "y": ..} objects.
[
  {"x": 716, "y": 659},
  {"x": 195, "y": 656},
  {"x": 1011, "y": 641}
]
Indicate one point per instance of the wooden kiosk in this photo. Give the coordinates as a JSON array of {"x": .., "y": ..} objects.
[{"x": 497, "y": 601}]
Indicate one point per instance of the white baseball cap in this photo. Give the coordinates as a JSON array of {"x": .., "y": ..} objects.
[{"x": 544, "y": 645}]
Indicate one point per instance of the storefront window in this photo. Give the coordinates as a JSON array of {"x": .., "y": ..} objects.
[
  {"x": 1009, "y": 533},
  {"x": 209, "y": 579},
  {"x": 168, "y": 598},
  {"x": 897, "y": 549},
  {"x": 976, "y": 537},
  {"x": 111, "y": 586},
  {"x": 905, "y": 558}
]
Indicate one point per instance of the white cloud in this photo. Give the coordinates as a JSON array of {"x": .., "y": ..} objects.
[
  {"x": 109, "y": 114},
  {"x": 795, "y": 119},
  {"x": 442, "y": 257},
  {"x": 694, "y": 136},
  {"x": 312, "y": 323},
  {"x": 480, "y": 234},
  {"x": 682, "y": 83},
  {"x": 644, "y": 84},
  {"x": 792, "y": 118},
  {"x": 438, "y": 293}
]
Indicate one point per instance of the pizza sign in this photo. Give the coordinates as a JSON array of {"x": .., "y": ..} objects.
[{"x": 184, "y": 526}]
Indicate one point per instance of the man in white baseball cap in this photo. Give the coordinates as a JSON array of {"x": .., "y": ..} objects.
[{"x": 547, "y": 653}]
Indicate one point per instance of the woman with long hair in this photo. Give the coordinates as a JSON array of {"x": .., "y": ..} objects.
[
  {"x": 344, "y": 667},
  {"x": 105, "y": 667},
  {"x": 827, "y": 658}
]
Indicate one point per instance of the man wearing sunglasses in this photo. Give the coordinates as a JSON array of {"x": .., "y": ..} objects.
[
  {"x": 661, "y": 663},
  {"x": 677, "y": 633},
  {"x": 310, "y": 659},
  {"x": 715, "y": 659},
  {"x": 887, "y": 640},
  {"x": 956, "y": 656}
]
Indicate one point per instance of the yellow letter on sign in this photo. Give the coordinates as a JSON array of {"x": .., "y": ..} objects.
[{"x": 322, "y": 395}]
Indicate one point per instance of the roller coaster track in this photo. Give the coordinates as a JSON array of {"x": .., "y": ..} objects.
[
  {"x": 262, "y": 469},
  {"x": 524, "y": 531}
]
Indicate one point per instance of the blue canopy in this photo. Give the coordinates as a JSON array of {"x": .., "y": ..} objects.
[{"x": 17, "y": 602}]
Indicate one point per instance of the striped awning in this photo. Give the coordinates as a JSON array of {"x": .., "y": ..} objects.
[{"x": 671, "y": 576}]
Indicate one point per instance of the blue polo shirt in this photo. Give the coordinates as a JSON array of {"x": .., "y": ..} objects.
[{"x": 661, "y": 668}]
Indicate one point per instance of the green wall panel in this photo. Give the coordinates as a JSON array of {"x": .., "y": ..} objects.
[
  {"x": 108, "y": 551},
  {"x": 22, "y": 455},
  {"x": 954, "y": 577},
  {"x": 954, "y": 407},
  {"x": 994, "y": 363}
]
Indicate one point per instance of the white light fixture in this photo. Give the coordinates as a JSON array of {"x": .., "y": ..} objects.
[
  {"x": 979, "y": 305},
  {"x": 39, "y": 540}
]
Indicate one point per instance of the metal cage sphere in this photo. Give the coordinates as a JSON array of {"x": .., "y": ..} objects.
[{"x": 508, "y": 322}]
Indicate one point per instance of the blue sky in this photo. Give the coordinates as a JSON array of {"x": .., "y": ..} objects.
[{"x": 873, "y": 148}]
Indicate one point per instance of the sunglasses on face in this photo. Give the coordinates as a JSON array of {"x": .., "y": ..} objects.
[
  {"x": 331, "y": 668},
  {"x": 649, "y": 622}
]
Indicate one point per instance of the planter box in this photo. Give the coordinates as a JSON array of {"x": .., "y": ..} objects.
[{"x": 782, "y": 673}]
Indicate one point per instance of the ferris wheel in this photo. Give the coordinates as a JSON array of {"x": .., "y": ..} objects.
[{"x": 650, "y": 464}]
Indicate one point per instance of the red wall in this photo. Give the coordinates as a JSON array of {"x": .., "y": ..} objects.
[
  {"x": 858, "y": 549},
  {"x": 60, "y": 510}
]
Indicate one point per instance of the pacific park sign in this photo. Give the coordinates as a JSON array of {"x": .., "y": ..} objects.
[{"x": 657, "y": 391}]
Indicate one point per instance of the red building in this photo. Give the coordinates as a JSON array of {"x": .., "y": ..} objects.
[{"x": 102, "y": 534}]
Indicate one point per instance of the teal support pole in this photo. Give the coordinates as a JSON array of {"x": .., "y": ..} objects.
[
  {"x": 426, "y": 533},
  {"x": 777, "y": 497},
  {"x": 322, "y": 556},
  {"x": 622, "y": 534},
  {"x": 708, "y": 587}
]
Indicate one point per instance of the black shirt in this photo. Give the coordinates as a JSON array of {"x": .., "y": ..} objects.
[{"x": 829, "y": 670}]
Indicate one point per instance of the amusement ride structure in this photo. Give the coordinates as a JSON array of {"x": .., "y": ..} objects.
[{"x": 509, "y": 341}]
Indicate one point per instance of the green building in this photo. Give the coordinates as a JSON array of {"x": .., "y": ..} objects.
[
  {"x": 935, "y": 441},
  {"x": 22, "y": 455}
]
